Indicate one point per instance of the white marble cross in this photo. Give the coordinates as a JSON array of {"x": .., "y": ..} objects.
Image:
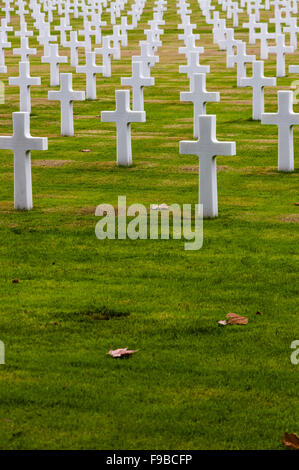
[
  {"x": 54, "y": 59},
  {"x": 3, "y": 45},
  {"x": 190, "y": 47},
  {"x": 66, "y": 95},
  {"x": 21, "y": 143},
  {"x": 280, "y": 50},
  {"x": 123, "y": 117},
  {"x": 45, "y": 37},
  {"x": 73, "y": 44},
  {"x": 23, "y": 31},
  {"x": 293, "y": 29},
  {"x": 199, "y": 96},
  {"x": 106, "y": 51},
  {"x": 251, "y": 25},
  {"x": 137, "y": 82},
  {"x": 284, "y": 119},
  {"x": 257, "y": 82},
  {"x": 24, "y": 81},
  {"x": 263, "y": 35},
  {"x": 193, "y": 67},
  {"x": 24, "y": 50},
  {"x": 63, "y": 27},
  {"x": 207, "y": 148},
  {"x": 146, "y": 57},
  {"x": 241, "y": 59},
  {"x": 90, "y": 69}
]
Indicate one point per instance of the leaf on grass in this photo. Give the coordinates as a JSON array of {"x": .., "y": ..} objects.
[
  {"x": 235, "y": 319},
  {"x": 291, "y": 441},
  {"x": 122, "y": 352},
  {"x": 222, "y": 322},
  {"x": 161, "y": 207}
]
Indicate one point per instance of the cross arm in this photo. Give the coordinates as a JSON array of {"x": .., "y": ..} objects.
[{"x": 37, "y": 143}]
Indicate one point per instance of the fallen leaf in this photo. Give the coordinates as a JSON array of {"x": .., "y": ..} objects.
[
  {"x": 161, "y": 207},
  {"x": 235, "y": 319},
  {"x": 15, "y": 281},
  {"x": 291, "y": 441},
  {"x": 122, "y": 352},
  {"x": 222, "y": 322}
]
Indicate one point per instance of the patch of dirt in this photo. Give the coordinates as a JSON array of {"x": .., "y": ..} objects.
[
  {"x": 290, "y": 219},
  {"x": 50, "y": 163},
  {"x": 87, "y": 210}
]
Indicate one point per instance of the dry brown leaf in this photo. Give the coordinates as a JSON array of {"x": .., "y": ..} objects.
[
  {"x": 122, "y": 352},
  {"x": 235, "y": 319},
  {"x": 291, "y": 441}
]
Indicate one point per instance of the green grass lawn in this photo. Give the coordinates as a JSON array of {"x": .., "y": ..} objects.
[{"x": 192, "y": 384}]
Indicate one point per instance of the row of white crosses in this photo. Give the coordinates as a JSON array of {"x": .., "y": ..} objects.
[
  {"x": 206, "y": 147},
  {"x": 285, "y": 119},
  {"x": 21, "y": 143},
  {"x": 123, "y": 116}
]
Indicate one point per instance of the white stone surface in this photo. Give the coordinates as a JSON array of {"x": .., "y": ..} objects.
[
  {"x": 21, "y": 143},
  {"x": 123, "y": 117},
  {"x": 207, "y": 148},
  {"x": 66, "y": 95}
]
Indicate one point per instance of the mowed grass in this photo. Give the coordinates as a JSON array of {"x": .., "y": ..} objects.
[{"x": 192, "y": 384}]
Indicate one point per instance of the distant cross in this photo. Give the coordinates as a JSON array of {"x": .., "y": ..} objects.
[
  {"x": 207, "y": 148},
  {"x": 24, "y": 81},
  {"x": 21, "y": 143},
  {"x": 90, "y": 69},
  {"x": 263, "y": 35},
  {"x": 280, "y": 50},
  {"x": 147, "y": 58},
  {"x": 66, "y": 95},
  {"x": 54, "y": 59},
  {"x": 137, "y": 82},
  {"x": 3, "y": 45},
  {"x": 284, "y": 119},
  {"x": 74, "y": 45},
  {"x": 63, "y": 27},
  {"x": 24, "y": 50},
  {"x": 193, "y": 67},
  {"x": 199, "y": 96},
  {"x": 293, "y": 29},
  {"x": 257, "y": 82},
  {"x": 45, "y": 37},
  {"x": 106, "y": 51},
  {"x": 123, "y": 117},
  {"x": 252, "y": 25},
  {"x": 241, "y": 59},
  {"x": 190, "y": 47},
  {"x": 23, "y": 32}
]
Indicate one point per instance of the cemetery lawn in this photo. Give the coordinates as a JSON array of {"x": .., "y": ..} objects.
[{"x": 192, "y": 384}]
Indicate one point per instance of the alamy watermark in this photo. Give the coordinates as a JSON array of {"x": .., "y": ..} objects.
[
  {"x": 295, "y": 354},
  {"x": 2, "y": 353},
  {"x": 133, "y": 223}
]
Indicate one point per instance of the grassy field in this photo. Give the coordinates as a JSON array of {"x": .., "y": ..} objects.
[{"x": 193, "y": 384}]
